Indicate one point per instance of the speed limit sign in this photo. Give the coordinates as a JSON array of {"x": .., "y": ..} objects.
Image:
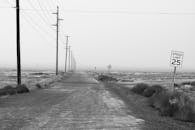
[
  {"x": 176, "y": 58},
  {"x": 176, "y": 61}
]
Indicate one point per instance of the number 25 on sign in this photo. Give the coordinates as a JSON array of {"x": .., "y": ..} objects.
[
  {"x": 176, "y": 58},
  {"x": 176, "y": 61}
]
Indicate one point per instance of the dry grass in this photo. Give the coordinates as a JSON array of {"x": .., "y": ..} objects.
[{"x": 174, "y": 104}]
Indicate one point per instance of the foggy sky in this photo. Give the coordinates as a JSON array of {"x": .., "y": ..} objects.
[{"x": 130, "y": 34}]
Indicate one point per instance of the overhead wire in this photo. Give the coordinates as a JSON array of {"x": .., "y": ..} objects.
[
  {"x": 129, "y": 12},
  {"x": 115, "y": 12},
  {"x": 42, "y": 8},
  {"x": 43, "y": 17},
  {"x": 38, "y": 29},
  {"x": 47, "y": 16},
  {"x": 54, "y": 2}
]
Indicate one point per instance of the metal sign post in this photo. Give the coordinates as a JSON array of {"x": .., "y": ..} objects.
[{"x": 176, "y": 62}]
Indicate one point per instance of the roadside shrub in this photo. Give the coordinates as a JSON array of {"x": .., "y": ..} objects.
[
  {"x": 192, "y": 88},
  {"x": 139, "y": 88},
  {"x": 186, "y": 83},
  {"x": 158, "y": 99},
  {"x": 22, "y": 89},
  {"x": 105, "y": 78},
  {"x": 7, "y": 90},
  {"x": 2, "y": 92},
  {"x": 177, "y": 85},
  {"x": 148, "y": 92},
  {"x": 8, "y": 87},
  {"x": 186, "y": 107},
  {"x": 174, "y": 104},
  {"x": 193, "y": 83},
  {"x": 38, "y": 86}
]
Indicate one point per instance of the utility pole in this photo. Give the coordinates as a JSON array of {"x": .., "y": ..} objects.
[
  {"x": 57, "y": 37},
  {"x": 69, "y": 59},
  {"x": 18, "y": 41},
  {"x": 67, "y": 38}
]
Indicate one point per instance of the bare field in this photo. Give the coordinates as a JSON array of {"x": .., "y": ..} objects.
[{"x": 129, "y": 79}]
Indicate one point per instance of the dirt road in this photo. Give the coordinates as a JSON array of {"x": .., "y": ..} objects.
[{"x": 76, "y": 102}]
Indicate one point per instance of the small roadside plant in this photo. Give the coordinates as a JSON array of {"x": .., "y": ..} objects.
[
  {"x": 150, "y": 91},
  {"x": 7, "y": 90},
  {"x": 139, "y": 88},
  {"x": 22, "y": 89},
  {"x": 38, "y": 86}
]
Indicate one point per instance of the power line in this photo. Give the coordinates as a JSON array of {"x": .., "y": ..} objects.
[
  {"x": 54, "y": 2},
  {"x": 116, "y": 12},
  {"x": 6, "y": 7},
  {"x": 37, "y": 28},
  {"x": 42, "y": 17},
  {"x": 129, "y": 12},
  {"x": 46, "y": 14}
]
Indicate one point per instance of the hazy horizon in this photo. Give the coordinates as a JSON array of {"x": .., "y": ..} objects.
[{"x": 126, "y": 34}]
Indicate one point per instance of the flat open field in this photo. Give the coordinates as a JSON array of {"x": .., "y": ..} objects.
[
  {"x": 29, "y": 77},
  {"x": 129, "y": 79},
  {"x": 78, "y": 101}
]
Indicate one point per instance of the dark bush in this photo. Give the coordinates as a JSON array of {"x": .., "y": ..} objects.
[
  {"x": 158, "y": 99},
  {"x": 148, "y": 92},
  {"x": 139, "y": 88},
  {"x": 2, "y": 92},
  {"x": 174, "y": 104},
  {"x": 7, "y": 90},
  {"x": 185, "y": 107},
  {"x": 8, "y": 87},
  {"x": 105, "y": 78},
  {"x": 11, "y": 91},
  {"x": 38, "y": 86},
  {"x": 22, "y": 89},
  {"x": 193, "y": 83},
  {"x": 177, "y": 85},
  {"x": 161, "y": 101},
  {"x": 186, "y": 83}
]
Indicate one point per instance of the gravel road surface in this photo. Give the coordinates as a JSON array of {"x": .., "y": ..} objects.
[{"x": 76, "y": 102}]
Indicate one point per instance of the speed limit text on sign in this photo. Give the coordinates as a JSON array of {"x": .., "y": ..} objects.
[{"x": 176, "y": 58}]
